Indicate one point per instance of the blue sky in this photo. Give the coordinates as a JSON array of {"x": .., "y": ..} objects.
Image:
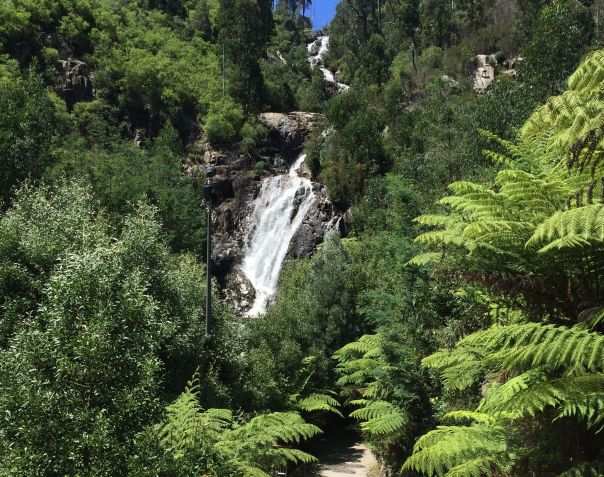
[{"x": 322, "y": 11}]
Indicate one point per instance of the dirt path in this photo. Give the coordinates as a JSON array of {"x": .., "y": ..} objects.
[{"x": 344, "y": 457}]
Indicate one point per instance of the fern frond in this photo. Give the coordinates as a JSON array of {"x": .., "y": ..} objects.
[
  {"x": 425, "y": 258},
  {"x": 380, "y": 417},
  {"x": 470, "y": 416},
  {"x": 373, "y": 410},
  {"x": 532, "y": 345},
  {"x": 184, "y": 422},
  {"x": 278, "y": 427},
  {"x": 460, "y": 368},
  {"x": 295, "y": 456},
  {"x": 365, "y": 344},
  {"x": 252, "y": 447},
  {"x": 570, "y": 229},
  {"x": 585, "y": 469},
  {"x": 386, "y": 424},
  {"x": 320, "y": 403},
  {"x": 522, "y": 395},
  {"x": 445, "y": 237},
  {"x": 461, "y": 450}
]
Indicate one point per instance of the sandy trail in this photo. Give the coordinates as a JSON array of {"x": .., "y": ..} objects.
[{"x": 344, "y": 457}]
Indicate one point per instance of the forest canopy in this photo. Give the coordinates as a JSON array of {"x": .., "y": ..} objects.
[{"x": 455, "y": 319}]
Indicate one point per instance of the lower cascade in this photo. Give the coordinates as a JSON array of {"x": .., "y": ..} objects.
[{"x": 278, "y": 212}]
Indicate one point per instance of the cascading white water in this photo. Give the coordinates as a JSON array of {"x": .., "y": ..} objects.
[
  {"x": 279, "y": 210},
  {"x": 321, "y": 45}
]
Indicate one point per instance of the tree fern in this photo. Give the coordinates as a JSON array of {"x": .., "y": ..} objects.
[
  {"x": 486, "y": 221},
  {"x": 461, "y": 451},
  {"x": 559, "y": 369},
  {"x": 186, "y": 424},
  {"x": 540, "y": 224},
  {"x": 359, "y": 363},
  {"x": 253, "y": 448},
  {"x": 263, "y": 441},
  {"x": 529, "y": 345},
  {"x": 317, "y": 402}
]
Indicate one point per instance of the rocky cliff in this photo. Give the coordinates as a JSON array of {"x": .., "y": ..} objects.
[{"x": 236, "y": 185}]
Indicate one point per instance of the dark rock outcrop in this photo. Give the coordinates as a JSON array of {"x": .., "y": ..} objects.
[
  {"x": 288, "y": 131},
  {"x": 76, "y": 84},
  {"x": 320, "y": 219}
]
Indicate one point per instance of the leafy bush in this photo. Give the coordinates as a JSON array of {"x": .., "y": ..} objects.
[
  {"x": 106, "y": 327},
  {"x": 560, "y": 35},
  {"x": 252, "y": 133},
  {"x": 27, "y": 125},
  {"x": 191, "y": 440},
  {"x": 223, "y": 121}
]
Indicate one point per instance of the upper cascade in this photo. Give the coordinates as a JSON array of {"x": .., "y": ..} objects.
[{"x": 316, "y": 51}]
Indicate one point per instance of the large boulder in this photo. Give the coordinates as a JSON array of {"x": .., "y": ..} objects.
[{"x": 484, "y": 73}]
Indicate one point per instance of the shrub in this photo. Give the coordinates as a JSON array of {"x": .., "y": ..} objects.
[
  {"x": 223, "y": 121},
  {"x": 252, "y": 134},
  {"x": 259, "y": 168}
]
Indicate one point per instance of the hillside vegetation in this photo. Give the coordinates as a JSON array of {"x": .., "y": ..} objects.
[{"x": 460, "y": 322}]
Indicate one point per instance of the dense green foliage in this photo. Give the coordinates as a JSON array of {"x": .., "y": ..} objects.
[
  {"x": 190, "y": 441},
  {"x": 504, "y": 254},
  {"x": 505, "y": 274},
  {"x": 96, "y": 329},
  {"x": 460, "y": 321}
]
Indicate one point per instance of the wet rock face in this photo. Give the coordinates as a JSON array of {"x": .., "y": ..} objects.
[
  {"x": 321, "y": 219},
  {"x": 239, "y": 291},
  {"x": 75, "y": 84}
]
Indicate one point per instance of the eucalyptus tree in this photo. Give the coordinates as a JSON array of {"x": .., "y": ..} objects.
[{"x": 244, "y": 28}]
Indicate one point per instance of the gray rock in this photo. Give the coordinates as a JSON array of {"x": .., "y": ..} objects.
[
  {"x": 319, "y": 221},
  {"x": 485, "y": 72},
  {"x": 288, "y": 131},
  {"x": 453, "y": 84}
]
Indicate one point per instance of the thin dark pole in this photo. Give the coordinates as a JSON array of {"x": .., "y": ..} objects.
[
  {"x": 223, "y": 68},
  {"x": 209, "y": 265},
  {"x": 207, "y": 193}
]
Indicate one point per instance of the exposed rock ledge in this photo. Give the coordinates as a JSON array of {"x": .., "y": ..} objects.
[{"x": 288, "y": 131}]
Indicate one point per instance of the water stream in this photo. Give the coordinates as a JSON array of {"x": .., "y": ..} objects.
[
  {"x": 278, "y": 212},
  {"x": 321, "y": 45}
]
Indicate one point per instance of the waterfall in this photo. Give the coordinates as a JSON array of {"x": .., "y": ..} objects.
[
  {"x": 278, "y": 212},
  {"x": 321, "y": 45}
]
